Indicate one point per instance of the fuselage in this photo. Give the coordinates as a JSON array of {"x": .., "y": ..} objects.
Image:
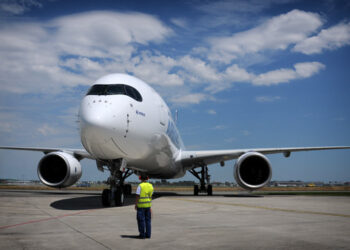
[{"x": 123, "y": 117}]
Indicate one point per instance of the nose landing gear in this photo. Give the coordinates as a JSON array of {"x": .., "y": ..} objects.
[{"x": 118, "y": 190}]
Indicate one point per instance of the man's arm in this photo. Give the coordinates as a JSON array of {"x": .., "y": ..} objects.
[
  {"x": 138, "y": 192},
  {"x": 137, "y": 201}
]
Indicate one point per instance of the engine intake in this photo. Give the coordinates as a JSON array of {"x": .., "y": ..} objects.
[
  {"x": 252, "y": 171},
  {"x": 59, "y": 169}
]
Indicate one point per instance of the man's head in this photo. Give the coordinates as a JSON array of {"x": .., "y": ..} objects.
[{"x": 143, "y": 177}]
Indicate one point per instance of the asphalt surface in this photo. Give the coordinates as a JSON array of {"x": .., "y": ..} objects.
[{"x": 76, "y": 220}]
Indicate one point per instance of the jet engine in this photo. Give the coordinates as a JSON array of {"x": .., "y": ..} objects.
[
  {"x": 59, "y": 170},
  {"x": 252, "y": 171}
]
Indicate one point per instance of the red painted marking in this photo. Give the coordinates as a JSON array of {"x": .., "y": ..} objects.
[{"x": 46, "y": 219}]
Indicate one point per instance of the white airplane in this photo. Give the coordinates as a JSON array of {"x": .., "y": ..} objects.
[{"x": 127, "y": 128}]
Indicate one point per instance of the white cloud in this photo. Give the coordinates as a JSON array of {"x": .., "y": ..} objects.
[
  {"x": 232, "y": 13},
  {"x": 328, "y": 39},
  {"x": 211, "y": 112},
  {"x": 181, "y": 22},
  {"x": 39, "y": 57},
  {"x": 47, "y": 130},
  {"x": 267, "y": 98},
  {"x": 39, "y": 121},
  {"x": 17, "y": 7},
  {"x": 83, "y": 64},
  {"x": 70, "y": 117},
  {"x": 246, "y": 133},
  {"x": 5, "y": 127},
  {"x": 276, "y": 33},
  {"x": 155, "y": 69},
  {"x": 219, "y": 127},
  {"x": 197, "y": 70},
  {"x": 76, "y": 49},
  {"x": 307, "y": 69},
  {"x": 102, "y": 33},
  {"x": 10, "y": 121},
  {"x": 189, "y": 99},
  {"x": 236, "y": 74},
  {"x": 238, "y": 6},
  {"x": 232, "y": 74},
  {"x": 301, "y": 70},
  {"x": 230, "y": 139},
  {"x": 275, "y": 77}
]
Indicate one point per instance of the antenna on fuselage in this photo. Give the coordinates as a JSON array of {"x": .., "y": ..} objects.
[{"x": 176, "y": 115}]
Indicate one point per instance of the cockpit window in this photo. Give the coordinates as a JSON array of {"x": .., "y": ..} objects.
[
  {"x": 130, "y": 91},
  {"x": 97, "y": 90},
  {"x": 115, "y": 89}
]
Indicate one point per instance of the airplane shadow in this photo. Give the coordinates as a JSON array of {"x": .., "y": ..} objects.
[
  {"x": 78, "y": 203},
  {"x": 55, "y": 192},
  {"x": 87, "y": 202}
]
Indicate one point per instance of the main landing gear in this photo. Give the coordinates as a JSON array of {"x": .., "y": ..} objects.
[
  {"x": 118, "y": 190},
  {"x": 203, "y": 178}
]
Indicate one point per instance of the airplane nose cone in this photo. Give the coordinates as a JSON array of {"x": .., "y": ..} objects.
[
  {"x": 100, "y": 126},
  {"x": 94, "y": 117}
]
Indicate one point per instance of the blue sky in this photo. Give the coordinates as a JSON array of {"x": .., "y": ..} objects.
[{"x": 242, "y": 74}]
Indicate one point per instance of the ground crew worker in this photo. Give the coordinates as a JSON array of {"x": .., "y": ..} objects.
[{"x": 143, "y": 205}]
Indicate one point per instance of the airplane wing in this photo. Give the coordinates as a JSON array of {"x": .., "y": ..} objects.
[
  {"x": 190, "y": 159},
  {"x": 78, "y": 153}
]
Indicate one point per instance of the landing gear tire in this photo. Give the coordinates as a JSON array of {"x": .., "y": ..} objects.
[
  {"x": 106, "y": 198},
  {"x": 195, "y": 190},
  {"x": 210, "y": 190},
  {"x": 119, "y": 197}
]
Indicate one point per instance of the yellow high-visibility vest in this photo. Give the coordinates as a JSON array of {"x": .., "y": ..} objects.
[{"x": 145, "y": 195}]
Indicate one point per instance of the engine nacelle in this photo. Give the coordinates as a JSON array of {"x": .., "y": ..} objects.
[
  {"x": 59, "y": 169},
  {"x": 252, "y": 171}
]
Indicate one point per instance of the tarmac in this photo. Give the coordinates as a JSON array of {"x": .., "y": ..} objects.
[{"x": 76, "y": 220}]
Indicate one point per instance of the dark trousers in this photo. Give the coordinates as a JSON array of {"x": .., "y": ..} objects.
[{"x": 144, "y": 221}]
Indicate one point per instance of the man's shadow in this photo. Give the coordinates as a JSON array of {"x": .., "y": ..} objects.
[{"x": 131, "y": 237}]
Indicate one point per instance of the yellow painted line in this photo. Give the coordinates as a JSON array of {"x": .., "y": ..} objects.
[{"x": 262, "y": 207}]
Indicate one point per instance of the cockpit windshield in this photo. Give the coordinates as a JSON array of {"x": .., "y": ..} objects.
[{"x": 115, "y": 89}]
